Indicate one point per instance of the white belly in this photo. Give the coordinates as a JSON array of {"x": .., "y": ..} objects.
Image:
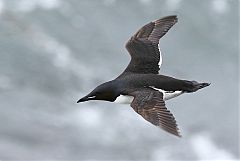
[
  {"x": 168, "y": 95},
  {"x": 124, "y": 99}
]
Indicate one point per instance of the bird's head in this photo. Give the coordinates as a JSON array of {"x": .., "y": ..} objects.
[{"x": 103, "y": 92}]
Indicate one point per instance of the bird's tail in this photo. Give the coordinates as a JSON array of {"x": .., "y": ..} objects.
[{"x": 196, "y": 86}]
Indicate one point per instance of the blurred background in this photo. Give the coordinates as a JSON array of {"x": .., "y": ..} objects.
[{"x": 53, "y": 52}]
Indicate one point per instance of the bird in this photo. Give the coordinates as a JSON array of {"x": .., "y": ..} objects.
[{"x": 141, "y": 85}]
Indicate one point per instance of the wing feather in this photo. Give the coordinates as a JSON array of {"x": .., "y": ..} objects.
[
  {"x": 143, "y": 46},
  {"x": 151, "y": 106}
]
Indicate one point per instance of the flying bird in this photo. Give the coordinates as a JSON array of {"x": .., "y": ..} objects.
[{"x": 141, "y": 85}]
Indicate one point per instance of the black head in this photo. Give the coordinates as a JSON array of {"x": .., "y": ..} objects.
[{"x": 105, "y": 92}]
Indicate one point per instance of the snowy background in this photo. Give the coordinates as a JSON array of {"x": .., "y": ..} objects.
[{"x": 55, "y": 51}]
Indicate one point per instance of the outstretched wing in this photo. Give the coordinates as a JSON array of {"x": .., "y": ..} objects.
[
  {"x": 143, "y": 46},
  {"x": 150, "y": 105}
]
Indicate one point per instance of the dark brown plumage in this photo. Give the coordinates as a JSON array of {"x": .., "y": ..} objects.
[
  {"x": 150, "y": 105},
  {"x": 141, "y": 80},
  {"x": 145, "y": 56},
  {"x": 143, "y": 46}
]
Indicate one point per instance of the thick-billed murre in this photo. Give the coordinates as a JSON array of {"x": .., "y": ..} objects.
[{"x": 141, "y": 85}]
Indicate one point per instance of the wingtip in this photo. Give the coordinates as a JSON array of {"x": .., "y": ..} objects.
[
  {"x": 170, "y": 17},
  {"x": 179, "y": 135},
  {"x": 175, "y": 16},
  {"x": 176, "y": 133}
]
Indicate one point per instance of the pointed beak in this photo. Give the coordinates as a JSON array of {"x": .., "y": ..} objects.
[
  {"x": 83, "y": 99},
  {"x": 86, "y": 98}
]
